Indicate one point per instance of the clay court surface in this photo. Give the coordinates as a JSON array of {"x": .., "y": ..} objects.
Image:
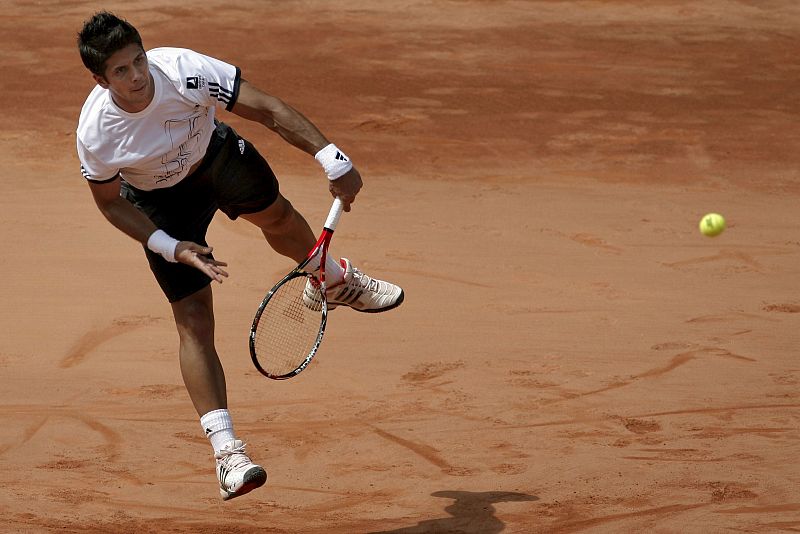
[{"x": 572, "y": 355}]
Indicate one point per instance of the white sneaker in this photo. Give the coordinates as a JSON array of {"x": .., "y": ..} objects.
[
  {"x": 358, "y": 291},
  {"x": 363, "y": 293},
  {"x": 236, "y": 473}
]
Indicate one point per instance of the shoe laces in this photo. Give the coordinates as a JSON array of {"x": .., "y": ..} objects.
[
  {"x": 361, "y": 280},
  {"x": 233, "y": 458}
]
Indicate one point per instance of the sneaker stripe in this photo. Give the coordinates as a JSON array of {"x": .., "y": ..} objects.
[
  {"x": 354, "y": 297},
  {"x": 345, "y": 295},
  {"x": 349, "y": 297},
  {"x": 340, "y": 295}
]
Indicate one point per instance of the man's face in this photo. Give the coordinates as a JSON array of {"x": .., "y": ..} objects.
[{"x": 128, "y": 78}]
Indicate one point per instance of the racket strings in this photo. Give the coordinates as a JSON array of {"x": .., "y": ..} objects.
[{"x": 289, "y": 327}]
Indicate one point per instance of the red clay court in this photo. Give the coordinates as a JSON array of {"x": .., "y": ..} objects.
[{"x": 572, "y": 356}]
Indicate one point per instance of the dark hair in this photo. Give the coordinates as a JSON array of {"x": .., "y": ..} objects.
[{"x": 102, "y": 36}]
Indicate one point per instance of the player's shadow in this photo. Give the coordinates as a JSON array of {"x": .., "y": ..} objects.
[{"x": 471, "y": 513}]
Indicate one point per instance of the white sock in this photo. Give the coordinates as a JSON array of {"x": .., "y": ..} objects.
[
  {"x": 334, "y": 272},
  {"x": 218, "y": 426}
]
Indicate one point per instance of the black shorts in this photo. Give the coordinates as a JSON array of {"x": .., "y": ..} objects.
[{"x": 233, "y": 177}]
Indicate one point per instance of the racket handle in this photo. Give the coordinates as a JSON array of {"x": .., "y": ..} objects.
[{"x": 334, "y": 214}]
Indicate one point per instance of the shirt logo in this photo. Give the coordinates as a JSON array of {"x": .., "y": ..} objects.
[{"x": 195, "y": 82}]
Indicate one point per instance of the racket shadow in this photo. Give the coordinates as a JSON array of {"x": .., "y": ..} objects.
[{"x": 472, "y": 512}]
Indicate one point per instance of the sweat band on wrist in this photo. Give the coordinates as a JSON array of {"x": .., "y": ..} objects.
[
  {"x": 160, "y": 242},
  {"x": 333, "y": 161}
]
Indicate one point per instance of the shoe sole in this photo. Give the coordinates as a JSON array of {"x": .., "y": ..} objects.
[
  {"x": 397, "y": 303},
  {"x": 255, "y": 478}
]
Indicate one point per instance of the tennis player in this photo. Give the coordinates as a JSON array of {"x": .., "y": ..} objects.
[{"x": 159, "y": 165}]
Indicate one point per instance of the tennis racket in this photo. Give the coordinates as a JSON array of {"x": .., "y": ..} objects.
[{"x": 290, "y": 322}]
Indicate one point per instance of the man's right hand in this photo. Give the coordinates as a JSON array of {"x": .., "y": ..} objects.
[
  {"x": 346, "y": 187},
  {"x": 198, "y": 257}
]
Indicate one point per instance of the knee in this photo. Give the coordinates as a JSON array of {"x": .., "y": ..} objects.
[
  {"x": 194, "y": 319},
  {"x": 278, "y": 218}
]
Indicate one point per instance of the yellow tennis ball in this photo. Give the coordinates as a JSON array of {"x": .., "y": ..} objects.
[{"x": 712, "y": 224}]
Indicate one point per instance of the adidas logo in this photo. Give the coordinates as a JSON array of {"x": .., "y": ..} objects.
[
  {"x": 241, "y": 146},
  {"x": 340, "y": 156}
]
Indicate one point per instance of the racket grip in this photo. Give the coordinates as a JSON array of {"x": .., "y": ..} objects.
[{"x": 334, "y": 214}]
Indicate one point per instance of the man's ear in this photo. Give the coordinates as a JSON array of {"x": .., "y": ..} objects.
[{"x": 101, "y": 81}]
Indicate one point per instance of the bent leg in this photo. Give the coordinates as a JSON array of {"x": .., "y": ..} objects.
[
  {"x": 285, "y": 229},
  {"x": 200, "y": 366},
  {"x": 289, "y": 234}
]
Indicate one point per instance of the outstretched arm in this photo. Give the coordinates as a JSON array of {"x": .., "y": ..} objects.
[
  {"x": 256, "y": 105},
  {"x": 123, "y": 215}
]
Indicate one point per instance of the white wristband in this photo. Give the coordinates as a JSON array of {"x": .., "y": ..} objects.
[
  {"x": 333, "y": 161},
  {"x": 162, "y": 243}
]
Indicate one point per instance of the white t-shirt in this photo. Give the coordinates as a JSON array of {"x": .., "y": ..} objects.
[{"x": 156, "y": 147}]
